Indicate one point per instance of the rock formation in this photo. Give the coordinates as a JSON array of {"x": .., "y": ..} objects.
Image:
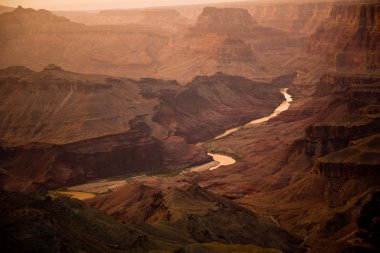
[
  {"x": 60, "y": 128},
  {"x": 206, "y": 217},
  {"x": 348, "y": 38}
]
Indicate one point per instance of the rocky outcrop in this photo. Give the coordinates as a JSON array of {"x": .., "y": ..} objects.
[
  {"x": 366, "y": 237},
  {"x": 197, "y": 212},
  {"x": 48, "y": 166},
  {"x": 214, "y": 20},
  {"x": 183, "y": 114},
  {"x": 359, "y": 160},
  {"x": 60, "y": 128},
  {"x": 348, "y": 38},
  {"x": 159, "y": 45},
  {"x": 299, "y": 17},
  {"x": 341, "y": 131},
  {"x": 337, "y": 83},
  {"x": 329, "y": 146},
  {"x": 361, "y": 91},
  {"x": 72, "y": 125}
]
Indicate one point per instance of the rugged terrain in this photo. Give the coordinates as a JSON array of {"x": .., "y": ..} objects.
[
  {"x": 31, "y": 222},
  {"x": 326, "y": 146},
  {"x": 157, "y": 47},
  {"x": 307, "y": 179},
  {"x": 60, "y": 127}
]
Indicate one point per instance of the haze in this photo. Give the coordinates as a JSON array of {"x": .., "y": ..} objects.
[
  {"x": 190, "y": 126},
  {"x": 92, "y": 5}
]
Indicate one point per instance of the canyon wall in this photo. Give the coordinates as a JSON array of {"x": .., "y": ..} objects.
[
  {"x": 295, "y": 17},
  {"x": 349, "y": 37},
  {"x": 59, "y": 128}
]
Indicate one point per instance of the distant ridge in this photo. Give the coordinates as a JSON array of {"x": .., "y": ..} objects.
[{"x": 5, "y": 9}]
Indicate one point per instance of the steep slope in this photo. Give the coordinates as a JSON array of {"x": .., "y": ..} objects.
[
  {"x": 39, "y": 223},
  {"x": 222, "y": 101},
  {"x": 316, "y": 165},
  {"x": 292, "y": 16},
  {"x": 238, "y": 47},
  {"x": 59, "y": 127},
  {"x": 156, "y": 46},
  {"x": 349, "y": 37},
  {"x": 367, "y": 237},
  {"x": 74, "y": 46},
  {"x": 213, "y": 20},
  {"x": 328, "y": 167},
  {"x": 195, "y": 212},
  {"x": 43, "y": 223}
]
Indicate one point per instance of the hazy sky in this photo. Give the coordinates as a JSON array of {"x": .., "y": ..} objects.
[{"x": 100, "y": 4}]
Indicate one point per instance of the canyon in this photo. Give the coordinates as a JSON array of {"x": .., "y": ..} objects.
[{"x": 174, "y": 88}]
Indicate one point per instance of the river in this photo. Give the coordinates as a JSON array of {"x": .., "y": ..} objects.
[
  {"x": 89, "y": 190},
  {"x": 227, "y": 160}
]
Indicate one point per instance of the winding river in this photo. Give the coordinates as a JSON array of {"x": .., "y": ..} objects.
[
  {"x": 227, "y": 160},
  {"x": 89, "y": 190}
]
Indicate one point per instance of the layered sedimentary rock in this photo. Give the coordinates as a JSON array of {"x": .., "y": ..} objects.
[
  {"x": 349, "y": 37},
  {"x": 242, "y": 99},
  {"x": 59, "y": 127},
  {"x": 299, "y": 17},
  {"x": 155, "y": 47},
  {"x": 335, "y": 83},
  {"x": 333, "y": 142},
  {"x": 238, "y": 47},
  {"x": 214, "y": 20},
  {"x": 36, "y": 38},
  {"x": 48, "y": 166},
  {"x": 359, "y": 160},
  {"x": 291, "y": 16}
]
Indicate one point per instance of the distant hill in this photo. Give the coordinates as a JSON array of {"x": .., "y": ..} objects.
[{"x": 5, "y": 9}]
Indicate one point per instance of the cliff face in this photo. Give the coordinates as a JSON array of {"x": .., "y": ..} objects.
[
  {"x": 301, "y": 18},
  {"x": 348, "y": 38},
  {"x": 47, "y": 166},
  {"x": 243, "y": 99},
  {"x": 359, "y": 160},
  {"x": 160, "y": 44},
  {"x": 334, "y": 145},
  {"x": 214, "y": 20},
  {"x": 237, "y": 47},
  {"x": 342, "y": 84},
  {"x": 59, "y": 127}
]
